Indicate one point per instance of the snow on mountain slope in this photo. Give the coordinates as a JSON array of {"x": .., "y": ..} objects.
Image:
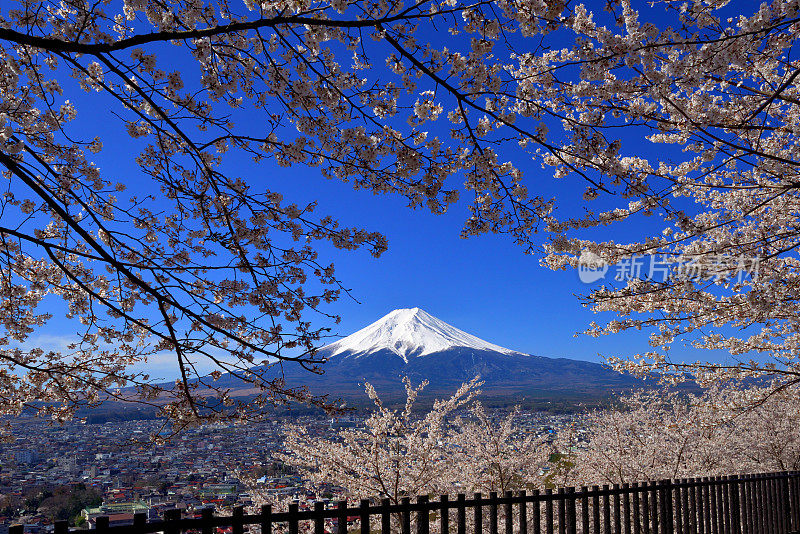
[{"x": 408, "y": 332}]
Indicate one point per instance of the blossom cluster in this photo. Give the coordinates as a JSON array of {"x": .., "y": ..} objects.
[
  {"x": 665, "y": 434},
  {"x": 408, "y": 452},
  {"x": 433, "y": 101}
]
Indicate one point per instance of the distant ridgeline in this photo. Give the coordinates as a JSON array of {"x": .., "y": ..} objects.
[{"x": 411, "y": 342}]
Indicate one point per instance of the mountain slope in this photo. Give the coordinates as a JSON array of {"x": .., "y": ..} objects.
[
  {"x": 413, "y": 343},
  {"x": 410, "y": 332}
]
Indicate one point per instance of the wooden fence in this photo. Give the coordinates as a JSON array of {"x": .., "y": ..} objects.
[{"x": 747, "y": 504}]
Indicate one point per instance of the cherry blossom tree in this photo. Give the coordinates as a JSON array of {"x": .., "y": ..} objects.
[
  {"x": 764, "y": 422},
  {"x": 661, "y": 434},
  {"x": 397, "y": 453},
  {"x": 491, "y": 454},
  {"x": 425, "y": 100},
  {"x": 655, "y": 435},
  {"x": 716, "y": 263},
  {"x": 488, "y": 455},
  {"x": 212, "y": 267},
  {"x": 404, "y": 454}
]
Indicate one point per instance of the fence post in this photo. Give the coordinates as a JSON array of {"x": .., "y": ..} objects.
[
  {"x": 756, "y": 504},
  {"x": 364, "y": 514},
  {"x": 461, "y": 514},
  {"x": 101, "y": 522},
  {"x": 793, "y": 501},
  {"x": 423, "y": 516},
  {"x": 341, "y": 517},
  {"x": 584, "y": 510},
  {"x": 777, "y": 516},
  {"x": 319, "y": 517},
  {"x": 509, "y": 513},
  {"x": 665, "y": 506},
  {"x": 746, "y": 487},
  {"x": 690, "y": 507},
  {"x": 716, "y": 505},
  {"x": 762, "y": 503},
  {"x": 730, "y": 512},
  {"x": 678, "y": 508},
  {"x": 207, "y": 520},
  {"x": 773, "y": 504},
  {"x": 783, "y": 497},
  {"x": 596, "y": 508},
  {"x": 492, "y": 512},
  {"x": 294, "y": 522},
  {"x": 768, "y": 517},
  {"x": 386, "y": 516},
  {"x": 697, "y": 510},
  {"x": 478, "y": 514},
  {"x": 626, "y": 507},
  {"x": 709, "y": 504},
  {"x": 740, "y": 501},
  {"x": 726, "y": 504},
  {"x": 172, "y": 519},
  {"x": 406, "y": 515},
  {"x": 139, "y": 521},
  {"x": 571, "y": 515},
  {"x": 523, "y": 512},
  {"x": 237, "y": 521},
  {"x": 654, "y": 507},
  {"x": 548, "y": 511},
  {"x": 266, "y": 519},
  {"x": 780, "y": 495},
  {"x": 60, "y": 527},
  {"x": 444, "y": 514},
  {"x": 787, "y": 515},
  {"x": 537, "y": 512}
]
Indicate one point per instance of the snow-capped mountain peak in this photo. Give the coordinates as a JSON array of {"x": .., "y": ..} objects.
[{"x": 409, "y": 332}]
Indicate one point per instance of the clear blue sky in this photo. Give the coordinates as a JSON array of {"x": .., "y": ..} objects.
[{"x": 484, "y": 285}]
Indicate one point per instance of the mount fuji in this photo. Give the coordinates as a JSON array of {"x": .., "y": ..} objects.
[
  {"x": 408, "y": 333},
  {"x": 411, "y": 342}
]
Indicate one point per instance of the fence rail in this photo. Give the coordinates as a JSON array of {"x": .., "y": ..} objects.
[{"x": 746, "y": 504}]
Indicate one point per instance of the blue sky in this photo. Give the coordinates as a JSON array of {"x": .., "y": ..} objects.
[{"x": 484, "y": 285}]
